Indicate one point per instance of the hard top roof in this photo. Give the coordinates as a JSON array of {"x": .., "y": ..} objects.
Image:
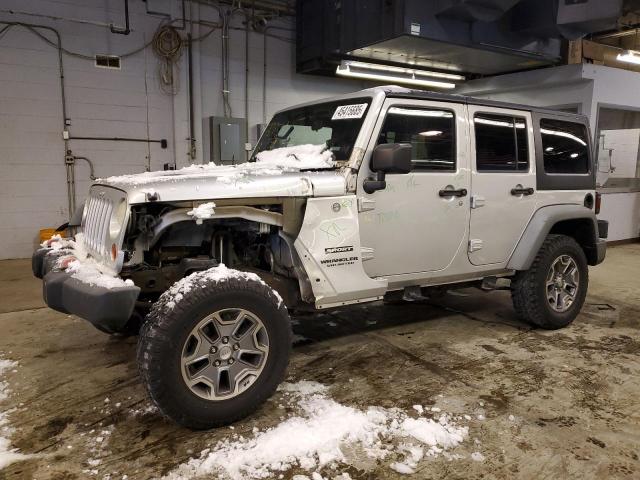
[{"x": 394, "y": 91}]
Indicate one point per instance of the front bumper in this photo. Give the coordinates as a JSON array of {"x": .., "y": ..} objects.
[{"x": 108, "y": 309}]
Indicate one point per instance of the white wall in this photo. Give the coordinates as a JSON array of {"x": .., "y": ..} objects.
[
  {"x": 621, "y": 226},
  {"x": 33, "y": 191}
]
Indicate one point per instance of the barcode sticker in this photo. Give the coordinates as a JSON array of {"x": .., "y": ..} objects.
[{"x": 344, "y": 112}]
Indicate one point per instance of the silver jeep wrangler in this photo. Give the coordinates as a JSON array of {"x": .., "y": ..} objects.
[{"x": 383, "y": 194}]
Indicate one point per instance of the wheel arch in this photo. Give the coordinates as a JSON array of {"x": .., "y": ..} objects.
[{"x": 575, "y": 221}]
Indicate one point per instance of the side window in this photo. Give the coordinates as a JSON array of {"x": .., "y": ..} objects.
[
  {"x": 565, "y": 146},
  {"x": 501, "y": 143},
  {"x": 430, "y": 132}
]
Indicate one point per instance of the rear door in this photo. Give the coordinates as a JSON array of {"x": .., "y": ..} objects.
[
  {"x": 419, "y": 222},
  {"x": 503, "y": 182}
]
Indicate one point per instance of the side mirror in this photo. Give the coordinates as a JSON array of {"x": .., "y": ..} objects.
[{"x": 388, "y": 158}]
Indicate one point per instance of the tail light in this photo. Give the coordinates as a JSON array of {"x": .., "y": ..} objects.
[{"x": 598, "y": 202}]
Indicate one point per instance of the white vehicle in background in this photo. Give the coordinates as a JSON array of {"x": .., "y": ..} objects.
[{"x": 383, "y": 193}]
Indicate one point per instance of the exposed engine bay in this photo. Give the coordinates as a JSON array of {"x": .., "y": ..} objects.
[{"x": 162, "y": 245}]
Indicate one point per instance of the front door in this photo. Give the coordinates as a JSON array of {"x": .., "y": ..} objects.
[
  {"x": 419, "y": 222},
  {"x": 503, "y": 182}
]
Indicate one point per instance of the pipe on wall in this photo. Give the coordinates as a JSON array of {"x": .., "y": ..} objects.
[
  {"x": 119, "y": 30},
  {"x": 192, "y": 135},
  {"x": 246, "y": 80},
  {"x": 32, "y": 27}
]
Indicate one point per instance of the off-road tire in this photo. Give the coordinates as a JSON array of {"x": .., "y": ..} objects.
[
  {"x": 165, "y": 331},
  {"x": 528, "y": 288}
]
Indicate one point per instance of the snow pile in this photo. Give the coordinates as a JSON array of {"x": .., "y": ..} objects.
[
  {"x": 81, "y": 265},
  {"x": 203, "y": 212},
  {"x": 272, "y": 162},
  {"x": 221, "y": 273},
  {"x": 57, "y": 242},
  {"x": 325, "y": 434},
  {"x": 8, "y": 455},
  {"x": 88, "y": 271},
  {"x": 299, "y": 157},
  {"x": 4, "y": 386}
]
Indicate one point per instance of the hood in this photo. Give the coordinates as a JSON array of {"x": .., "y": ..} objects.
[{"x": 283, "y": 172}]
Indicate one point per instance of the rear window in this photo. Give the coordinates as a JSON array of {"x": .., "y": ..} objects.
[{"x": 565, "y": 146}]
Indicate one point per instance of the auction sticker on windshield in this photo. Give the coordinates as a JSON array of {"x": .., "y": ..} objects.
[{"x": 344, "y": 112}]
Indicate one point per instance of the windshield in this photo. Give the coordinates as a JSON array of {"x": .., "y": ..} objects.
[{"x": 334, "y": 124}]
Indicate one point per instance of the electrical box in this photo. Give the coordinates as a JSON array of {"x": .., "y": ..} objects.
[
  {"x": 230, "y": 147},
  {"x": 224, "y": 140}
]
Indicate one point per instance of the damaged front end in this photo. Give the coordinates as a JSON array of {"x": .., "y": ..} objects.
[{"x": 166, "y": 242}]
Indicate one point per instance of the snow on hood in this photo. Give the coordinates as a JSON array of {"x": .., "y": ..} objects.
[
  {"x": 301, "y": 171},
  {"x": 269, "y": 162}
]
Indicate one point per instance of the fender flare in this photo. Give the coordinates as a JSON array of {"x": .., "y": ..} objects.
[{"x": 539, "y": 227}]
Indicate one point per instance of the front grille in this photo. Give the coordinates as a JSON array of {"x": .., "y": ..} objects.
[
  {"x": 103, "y": 221},
  {"x": 96, "y": 226}
]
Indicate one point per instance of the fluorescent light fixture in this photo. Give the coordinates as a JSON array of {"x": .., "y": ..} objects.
[
  {"x": 406, "y": 76},
  {"x": 402, "y": 70},
  {"x": 431, "y": 133},
  {"x": 574, "y": 155},
  {"x": 629, "y": 56}
]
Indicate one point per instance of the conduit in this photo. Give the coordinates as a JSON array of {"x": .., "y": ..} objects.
[
  {"x": 119, "y": 30},
  {"x": 32, "y": 27}
]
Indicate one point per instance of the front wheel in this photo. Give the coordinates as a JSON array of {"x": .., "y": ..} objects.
[
  {"x": 214, "y": 348},
  {"x": 551, "y": 293}
]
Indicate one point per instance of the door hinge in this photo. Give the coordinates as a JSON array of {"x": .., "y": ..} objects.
[
  {"x": 366, "y": 204},
  {"x": 367, "y": 253},
  {"x": 475, "y": 244},
  {"x": 477, "y": 201}
]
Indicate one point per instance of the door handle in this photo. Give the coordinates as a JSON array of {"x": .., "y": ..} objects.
[
  {"x": 453, "y": 193},
  {"x": 522, "y": 191}
]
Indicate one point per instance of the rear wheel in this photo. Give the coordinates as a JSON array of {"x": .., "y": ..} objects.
[
  {"x": 551, "y": 293},
  {"x": 213, "y": 354}
]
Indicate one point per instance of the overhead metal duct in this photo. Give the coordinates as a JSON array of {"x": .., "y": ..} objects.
[
  {"x": 469, "y": 37},
  {"x": 482, "y": 10},
  {"x": 570, "y": 19}
]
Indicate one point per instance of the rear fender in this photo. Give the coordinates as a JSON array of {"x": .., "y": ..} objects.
[{"x": 575, "y": 221}]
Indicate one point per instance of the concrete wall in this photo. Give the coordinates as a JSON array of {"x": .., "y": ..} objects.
[{"x": 125, "y": 103}]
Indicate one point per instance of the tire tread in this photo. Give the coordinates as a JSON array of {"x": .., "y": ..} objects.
[
  {"x": 155, "y": 339},
  {"x": 526, "y": 303}
]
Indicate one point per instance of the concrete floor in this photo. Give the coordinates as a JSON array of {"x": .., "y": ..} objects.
[{"x": 573, "y": 393}]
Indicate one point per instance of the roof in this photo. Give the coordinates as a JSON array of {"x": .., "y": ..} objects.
[
  {"x": 395, "y": 91},
  {"x": 400, "y": 92}
]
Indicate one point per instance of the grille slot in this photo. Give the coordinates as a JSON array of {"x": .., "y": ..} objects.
[
  {"x": 100, "y": 231},
  {"x": 96, "y": 224}
]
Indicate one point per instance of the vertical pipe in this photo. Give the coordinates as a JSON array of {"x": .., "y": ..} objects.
[
  {"x": 264, "y": 75},
  {"x": 246, "y": 82},
  {"x": 192, "y": 139},
  {"x": 71, "y": 196},
  {"x": 126, "y": 30}
]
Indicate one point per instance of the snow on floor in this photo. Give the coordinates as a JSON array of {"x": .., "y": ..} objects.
[
  {"x": 323, "y": 435},
  {"x": 272, "y": 162},
  {"x": 8, "y": 455}
]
